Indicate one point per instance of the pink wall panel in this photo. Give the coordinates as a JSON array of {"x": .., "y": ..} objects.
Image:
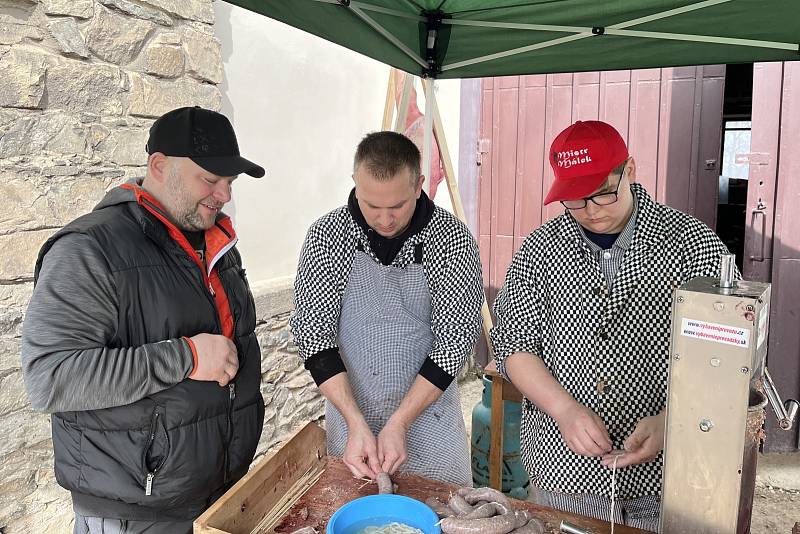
[
  {"x": 676, "y": 123},
  {"x": 767, "y": 90},
  {"x": 485, "y": 160},
  {"x": 504, "y": 162},
  {"x": 615, "y": 95},
  {"x": 528, "y": 206},
  {"x": 707, "y": 183},
  {"x": 586, "y": 96},
  {"x": 644, "y": 125},
  {"x": 534, "y": 80},
  {"x": 787, "y": 214},
  {"x": 714, "y": 71},
  {"x": 558, "y": 115}
]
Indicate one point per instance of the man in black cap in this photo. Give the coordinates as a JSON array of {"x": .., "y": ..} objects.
[{"x": 139, "y": 339}]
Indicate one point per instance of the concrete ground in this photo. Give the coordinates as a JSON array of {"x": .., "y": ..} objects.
[{"x": 776, "y": 504}]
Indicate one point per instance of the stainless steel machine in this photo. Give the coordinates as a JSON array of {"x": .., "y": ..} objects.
[{"x": 717, "y": 385}]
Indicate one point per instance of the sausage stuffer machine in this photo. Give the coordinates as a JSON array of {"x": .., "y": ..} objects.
[{"x": 717, "y": 382}]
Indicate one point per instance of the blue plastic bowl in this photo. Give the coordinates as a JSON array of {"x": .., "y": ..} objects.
[{"x": 379, "y": 510}]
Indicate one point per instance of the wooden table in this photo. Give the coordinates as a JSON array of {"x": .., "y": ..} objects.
[{"x": 298, "y": 485}]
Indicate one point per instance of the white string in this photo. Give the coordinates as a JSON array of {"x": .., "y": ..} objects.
[{"x": 613, "y": 488}]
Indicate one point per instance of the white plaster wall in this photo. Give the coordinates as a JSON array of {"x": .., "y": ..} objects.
[{"x": 299, "y": 105}]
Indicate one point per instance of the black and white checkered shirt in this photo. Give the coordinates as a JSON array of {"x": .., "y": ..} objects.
[
  {"x": 609, "y": 349},
  {"x": 451, "y": 263}
]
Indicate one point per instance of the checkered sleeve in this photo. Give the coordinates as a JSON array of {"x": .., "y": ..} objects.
[
  {"x": 319, "y": 286},
  {"x": 518, "y": 324},
  {"x": 703, "y": 251},
  {"x": 456, "y": 285}
]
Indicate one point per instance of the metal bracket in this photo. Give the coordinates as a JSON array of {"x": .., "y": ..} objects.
[
  {"x": 785, "y": 412},
  {"x": 433, "y": 27}
]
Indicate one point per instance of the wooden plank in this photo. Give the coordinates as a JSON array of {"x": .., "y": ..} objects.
[
  {"x": 615, "y": 100},
  {"x": 496, "y": 433},
  {"x": 645, "y": 101},
  {"x": 444, "y": 154},
  {"x": 763, "y": 176},
  {"x": 707, "y": 186},
  {"x": 531, "y": 161},
  {"x": 388, "y": 107},
  {"x": 402, "y": 109},
  {"x": 468, "y": 166},
  {"x": 586, "y": 96},
  {"x": 274, "y": 483},
  {"x": 506, "y": 124},
  {"x": 676, "y": 139}
]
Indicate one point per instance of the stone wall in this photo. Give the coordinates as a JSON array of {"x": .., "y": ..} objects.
[
  {"x": 81, "y": 83},
  {"x": 288, "y": 389}
]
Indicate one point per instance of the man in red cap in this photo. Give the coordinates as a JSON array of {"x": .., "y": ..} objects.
[{"x": 583, "y": 327}]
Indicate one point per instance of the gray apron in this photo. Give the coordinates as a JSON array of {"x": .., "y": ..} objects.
[{"x": 384, "y": 338}]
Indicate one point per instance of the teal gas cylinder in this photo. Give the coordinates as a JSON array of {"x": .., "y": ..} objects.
[{"x": 515, "y": 478}]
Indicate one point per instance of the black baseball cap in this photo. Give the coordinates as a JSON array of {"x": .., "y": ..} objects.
[{"x": 204, "y": 136}]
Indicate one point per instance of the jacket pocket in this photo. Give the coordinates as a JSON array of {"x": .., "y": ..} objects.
[
  {"x": 68, "y": 458},
  {"x": 157, "y": 449},
  {"x": 192, "y": 469},
  {"x": 113, "y": 461}
]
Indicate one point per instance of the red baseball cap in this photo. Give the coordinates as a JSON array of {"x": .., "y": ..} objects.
[{"x": 582, "y": 157}]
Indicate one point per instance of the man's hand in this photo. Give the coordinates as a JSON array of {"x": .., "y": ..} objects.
[
  {"x": 361, "y": 452},
  {"x": 216, "y": 359},
  {"x": 392, "y": 446},
  {"x": 643, "y": 445},
  {"x": 583, "y": 431}
]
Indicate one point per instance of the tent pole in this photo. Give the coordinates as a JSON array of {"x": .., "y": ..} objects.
[
  {"x": 388, "y": 108},
  {"x": 427, "y": 146},
  {"x": 402, "y": 110}
]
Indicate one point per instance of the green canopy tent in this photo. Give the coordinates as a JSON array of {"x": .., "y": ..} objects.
[{"x": 476, "y": 38}]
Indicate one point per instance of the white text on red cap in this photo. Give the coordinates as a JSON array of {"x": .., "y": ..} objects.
[{"x": 568, "y": 158}]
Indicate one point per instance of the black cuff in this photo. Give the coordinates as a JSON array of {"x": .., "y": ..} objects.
[
  {"x": 435, "y": 374},
  {"x": 325, "y": 364}
]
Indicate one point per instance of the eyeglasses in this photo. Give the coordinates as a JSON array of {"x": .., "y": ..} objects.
[{"x": 600, "y": 199}]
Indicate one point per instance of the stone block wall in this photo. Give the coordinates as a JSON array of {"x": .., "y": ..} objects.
[
  {"x": 81, "y": 82},
  {"x": 289, "y": 392}
]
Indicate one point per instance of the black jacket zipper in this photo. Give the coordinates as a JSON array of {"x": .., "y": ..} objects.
[
  {"x": 148, "y": 483},
  {"x": 231, "y": 397}
]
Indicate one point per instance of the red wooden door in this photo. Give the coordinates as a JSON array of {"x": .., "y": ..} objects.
[{"x": 772, "y": 239}]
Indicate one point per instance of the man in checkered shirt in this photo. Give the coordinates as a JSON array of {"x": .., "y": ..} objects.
[
  {"x": 583, "y": 327},
  {"x": 388, "y": 297}
]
